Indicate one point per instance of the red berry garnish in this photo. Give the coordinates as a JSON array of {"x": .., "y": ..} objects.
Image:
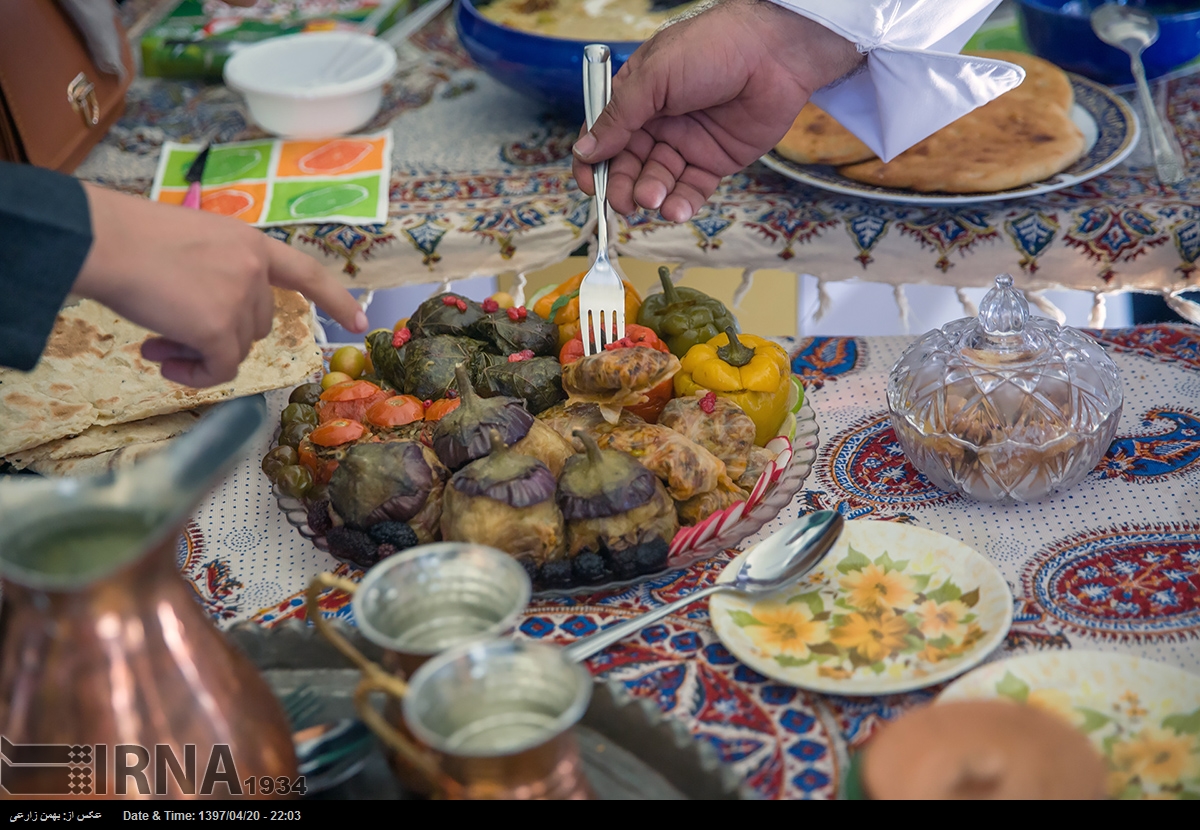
[
  {"x": 517, "y": 357},
  {"x": 451, "y": 393},
  {"x": 708, "y": 403},
  {"x": 513, "y": 314},
  {"x": 449, "y": 299},
  {"x": 400, "y": 337},
  {"x": 461, "y": 304},
  {"x": 428, "y": 404},
  {"x": 490, "y": 305}
]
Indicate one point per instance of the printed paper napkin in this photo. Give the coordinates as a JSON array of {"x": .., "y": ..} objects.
[{"x": 285, "y": 182}]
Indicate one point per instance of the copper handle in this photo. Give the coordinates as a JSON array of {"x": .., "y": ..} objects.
[
  {"x": 375, "y": 679},
  {"x": 423, "y": 762},
  {"x": 313, "y": 612}
]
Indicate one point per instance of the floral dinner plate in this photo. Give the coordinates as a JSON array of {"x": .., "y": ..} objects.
[
  {"x": 1143, "y": 716},
  {"x": 893, "y": 608}
]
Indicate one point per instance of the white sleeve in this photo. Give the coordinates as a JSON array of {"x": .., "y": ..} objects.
[{"x": 915, "y": 82}]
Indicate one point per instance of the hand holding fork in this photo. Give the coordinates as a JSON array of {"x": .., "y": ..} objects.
[{"x": 602, "y": 293}]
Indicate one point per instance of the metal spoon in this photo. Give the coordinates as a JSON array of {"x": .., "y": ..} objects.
[
  {"x": 773, "y": 564},
  {"x": 1132, "y": 30}
]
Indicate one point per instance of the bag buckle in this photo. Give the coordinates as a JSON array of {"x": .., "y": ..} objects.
[{"x": 82, "y": 95}]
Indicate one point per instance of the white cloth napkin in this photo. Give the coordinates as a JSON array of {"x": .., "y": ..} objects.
[{"x": 915, "y": 81}]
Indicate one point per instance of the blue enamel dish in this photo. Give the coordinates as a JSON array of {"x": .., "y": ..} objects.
[
  {"x": 548, "y": 69},
  {"x": 1061, "y": 32},
  {"x": 1110, "y": 131}
]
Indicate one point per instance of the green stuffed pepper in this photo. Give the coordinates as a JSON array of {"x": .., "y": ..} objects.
[{"x": 683, "y": 317}]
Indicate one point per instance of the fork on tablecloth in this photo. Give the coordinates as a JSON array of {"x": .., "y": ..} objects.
[{"x": 601, "y": 294}]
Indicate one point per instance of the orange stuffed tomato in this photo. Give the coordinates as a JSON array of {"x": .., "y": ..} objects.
[{"x": 348, "y": 401}]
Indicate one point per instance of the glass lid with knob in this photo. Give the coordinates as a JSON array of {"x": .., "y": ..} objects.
[{"x": 1005, "y": 406}]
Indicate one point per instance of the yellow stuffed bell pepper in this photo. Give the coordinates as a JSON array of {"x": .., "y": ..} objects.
[
  {"x": 747, "y": 370},
  {"x": 561, "y": 307}
]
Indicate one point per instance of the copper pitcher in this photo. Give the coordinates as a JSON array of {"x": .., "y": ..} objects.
[{"x": 114, "y": 682}]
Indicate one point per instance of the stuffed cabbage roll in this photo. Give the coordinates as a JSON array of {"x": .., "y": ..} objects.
[
  {"x": 564, "y": 418},
  {"x": 617, "y": 378},
  {"x": 701, "y": 506},
  {"x": 683, "y": 465},
  {"x": 756, "y": 462},
  {"x": 715, "y": 423}
]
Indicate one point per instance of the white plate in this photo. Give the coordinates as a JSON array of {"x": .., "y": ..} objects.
[
  {"x": 1110, "y": 131},
  {"x": 893, "y": 608},
  {"x": 1142, "y": 716}
]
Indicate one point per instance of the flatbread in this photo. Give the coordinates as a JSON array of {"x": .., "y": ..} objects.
[
  {"x": 100, "y": 463},
  {"x": 1043, "y": 80},
  {"x": 92, "y": 374},
  {"x": 109, "y": 437},
  {"x": 816, "y": 138},
  {"x": 1004, "y": 144}
]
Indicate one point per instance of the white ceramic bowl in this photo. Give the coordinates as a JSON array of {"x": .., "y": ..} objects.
[{"x": 312, "y": 85}]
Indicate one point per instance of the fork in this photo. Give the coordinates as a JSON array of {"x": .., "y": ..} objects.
[{"x": 601, "y": 294}]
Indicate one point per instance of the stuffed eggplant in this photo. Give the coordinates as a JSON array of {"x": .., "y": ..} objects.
[
  {"x": 619, "y": 518},
  {"x": 465, "y": 434},
  {"x": 505, "y": 500},
  {"x": 396, "y": 481}
]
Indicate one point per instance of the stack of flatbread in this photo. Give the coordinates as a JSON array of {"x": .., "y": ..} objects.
[
  {"x": 94, "y": 403},
  {"x": 1026, "y": 135}
]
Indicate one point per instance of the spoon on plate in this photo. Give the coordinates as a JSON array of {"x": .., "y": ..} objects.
[
  {"x": 774, "y": 563},
  {"x": 1132, "y": 30}
]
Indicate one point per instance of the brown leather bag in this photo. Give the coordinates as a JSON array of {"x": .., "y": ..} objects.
[{"x": 55, "y": 105}]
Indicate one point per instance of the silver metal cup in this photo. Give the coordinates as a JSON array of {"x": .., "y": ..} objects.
[
  {"x": 415, "y": 605},
  {"x": 430, "y": 598},
  {"x": 499, "y": 715}
]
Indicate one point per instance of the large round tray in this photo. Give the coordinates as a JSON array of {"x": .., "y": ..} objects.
[
  {"x": 629, "y": 750},
  {"x": 775, "y": 489}
]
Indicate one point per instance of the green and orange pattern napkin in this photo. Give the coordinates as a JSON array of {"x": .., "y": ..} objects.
[{"x": 285, "y": 182}]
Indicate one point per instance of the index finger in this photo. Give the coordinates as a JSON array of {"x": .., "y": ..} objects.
[{"x": 298, "y": 271}]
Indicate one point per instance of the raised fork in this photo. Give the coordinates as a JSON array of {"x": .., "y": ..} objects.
[{"x": 601, "y": 294}]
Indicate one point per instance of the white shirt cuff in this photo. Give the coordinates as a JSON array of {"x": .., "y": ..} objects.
[{"x": 915, "y": 82}]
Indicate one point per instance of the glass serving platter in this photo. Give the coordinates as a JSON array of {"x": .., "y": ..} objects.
[{"x": 774, "y": 491}]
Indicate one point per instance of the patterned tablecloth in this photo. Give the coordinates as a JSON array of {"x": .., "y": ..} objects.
[
  {"x": 481, "y": 184},
  {"x": 1113, "y": 564}
]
